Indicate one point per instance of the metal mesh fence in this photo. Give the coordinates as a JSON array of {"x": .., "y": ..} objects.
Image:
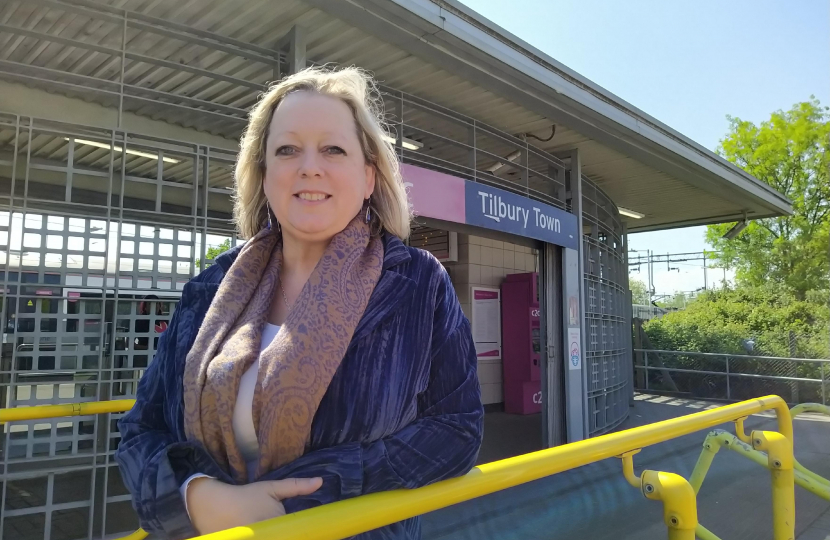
[{"x": 736, "y": 377}]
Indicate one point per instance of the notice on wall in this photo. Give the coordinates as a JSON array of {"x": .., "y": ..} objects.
[
  {"x": 487, "y": 322},
  {"x": 574, "y": 348}
]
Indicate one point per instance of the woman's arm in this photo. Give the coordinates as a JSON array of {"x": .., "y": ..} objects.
[
  {"x": 153, "y": 463},
  {"x": 443, "y": 442}
]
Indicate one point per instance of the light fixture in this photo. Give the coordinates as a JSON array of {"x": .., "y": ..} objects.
[
  {"x": 630, "y": 213},
  {"x": 499, "y": 165},
  {"x": 409, "y": 144},
  {"x": 119, "y": 149},
  {"x": 735, "y": 230}
]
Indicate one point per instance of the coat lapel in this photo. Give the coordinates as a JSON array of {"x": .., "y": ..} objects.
[{"x": 392, "y": 290}]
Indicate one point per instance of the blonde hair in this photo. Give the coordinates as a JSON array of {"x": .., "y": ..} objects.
[{"x": 357, "y": 90}]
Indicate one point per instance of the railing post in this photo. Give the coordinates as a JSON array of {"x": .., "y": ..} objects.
[
  {"x": 823, "y": 391},
  {"x": 780, "y": 460},
  {"x": 679, "y": 502},
  {"x": 728, "y": 388}
]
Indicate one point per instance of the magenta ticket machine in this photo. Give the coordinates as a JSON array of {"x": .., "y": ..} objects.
[{"x": 521, "y": 346}]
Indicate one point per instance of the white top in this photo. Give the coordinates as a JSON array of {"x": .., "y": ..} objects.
[{"x": 243, "y": 417}]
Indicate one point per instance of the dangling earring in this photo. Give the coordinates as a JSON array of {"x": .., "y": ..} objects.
[
  {"x": 272, "y": 219},
  {"x": 368, "y": 217}
]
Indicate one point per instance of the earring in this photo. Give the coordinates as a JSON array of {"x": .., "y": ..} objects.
[
  {"x": 368, "y": 217},
  {"x": 272, "y": 219}
]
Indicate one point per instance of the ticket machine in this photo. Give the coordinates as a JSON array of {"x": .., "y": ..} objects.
[{"x": 521, "y": 343}]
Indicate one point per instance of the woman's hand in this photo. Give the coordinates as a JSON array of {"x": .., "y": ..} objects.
[{"x": 215, "y": 506}]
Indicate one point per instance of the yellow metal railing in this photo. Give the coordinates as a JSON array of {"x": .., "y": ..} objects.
[
  {"x": 676, "y": 493},
  {"x": 376, "y": 510},
  {"x": 39, "y": 412}
]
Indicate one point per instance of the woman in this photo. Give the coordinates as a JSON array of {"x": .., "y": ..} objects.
[{"x": 320, "y": 361}]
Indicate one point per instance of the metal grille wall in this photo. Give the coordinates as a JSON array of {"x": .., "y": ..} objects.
[
  {"x": 608, "y": 328},
  {"x": 99, "y": 232}
]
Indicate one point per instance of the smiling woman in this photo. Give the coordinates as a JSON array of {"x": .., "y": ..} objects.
[{"x": 291, "y": 375}]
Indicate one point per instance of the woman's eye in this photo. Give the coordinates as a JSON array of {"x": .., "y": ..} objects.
[
  {"x": 285, "y": 151},
  {"x": 334, "y": 150}
]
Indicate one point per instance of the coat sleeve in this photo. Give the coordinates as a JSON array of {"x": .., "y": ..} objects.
[
  {"x": 443, "y": 442},
  {"x": 154, "y": 462}
]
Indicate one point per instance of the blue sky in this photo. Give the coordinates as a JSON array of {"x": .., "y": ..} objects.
[{"x": 688, "y": 64}]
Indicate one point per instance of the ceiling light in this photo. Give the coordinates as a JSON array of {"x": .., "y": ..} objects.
[
  {"x": 499, "y": 165},
  {"x": 630, "y": 213},
  {"x": 409, "y": 144},
  {"x": 119, "y": 149}
]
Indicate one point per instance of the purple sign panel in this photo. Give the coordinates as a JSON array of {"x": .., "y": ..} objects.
[{"x": 442, "y": 196}]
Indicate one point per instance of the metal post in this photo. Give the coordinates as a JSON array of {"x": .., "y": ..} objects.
[
  {"x": 679, "y": 502},
  {"x": 728, "y": 388},
  {"x": 123, "y": 62},
  {"x": 471, "y": 142},
  {"x": 705, "y": 276},
  {"x": 576, "y": 208},
  {"x": 779, "y": 451},
  {"x": 628, "y": 316},
  {"x": 793, "y": 367},
  {"x": 645, "y": 360},
  {"x": 823, "y": 391},
  {"x": 296, "y": 49}
]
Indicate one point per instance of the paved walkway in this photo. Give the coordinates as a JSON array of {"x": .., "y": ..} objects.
[{"x": 596, "y": 502}]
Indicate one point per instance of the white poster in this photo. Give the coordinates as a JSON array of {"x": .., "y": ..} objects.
[
  {"x": 487, "y": 322},
  {"x": 574, "y": 348}
]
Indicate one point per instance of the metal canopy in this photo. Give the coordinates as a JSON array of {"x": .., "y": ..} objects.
[{"x": 201, "y": 63}]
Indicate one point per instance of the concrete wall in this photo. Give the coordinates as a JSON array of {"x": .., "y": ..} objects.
[{"x": 484, "y": 263}]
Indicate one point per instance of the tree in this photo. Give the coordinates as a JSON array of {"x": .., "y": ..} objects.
[
  {"x": 639, "y": 292},
  {"x": 791, "y": 153},
  {"x": 215, "y": 251},
  {"x": 723, "y": 321}
]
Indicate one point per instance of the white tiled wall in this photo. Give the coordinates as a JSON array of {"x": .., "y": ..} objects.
[{"x": 484, "y": 263}]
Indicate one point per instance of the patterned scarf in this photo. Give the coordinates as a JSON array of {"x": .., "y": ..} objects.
[{"x": 297, "y": 367}]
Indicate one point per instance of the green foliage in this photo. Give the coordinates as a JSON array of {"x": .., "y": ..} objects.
[
  {"x": 639, "y": 292},
  {"x": 723, "y": 321},
  {"x": 791, "y": 153},
  {"x": 215, "y": 251}
]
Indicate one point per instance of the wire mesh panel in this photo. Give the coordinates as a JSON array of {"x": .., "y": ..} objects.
[
  {"x": 99, "y": 232},
  {"x": 607, "y": 338}
]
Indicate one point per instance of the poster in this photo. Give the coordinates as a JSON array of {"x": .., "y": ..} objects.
[
  {"x": 487, "y": 322},
  {"x": 574, "y": 348}
]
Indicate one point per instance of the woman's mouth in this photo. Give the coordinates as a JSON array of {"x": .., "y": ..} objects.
[{"x": 312, "y": 197}]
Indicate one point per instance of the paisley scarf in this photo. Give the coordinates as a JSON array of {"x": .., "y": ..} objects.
[{"x": 297, "y": 367}]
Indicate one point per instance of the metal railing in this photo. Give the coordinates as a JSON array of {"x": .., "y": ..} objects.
[
  {"x": 369, "y": 512},
  {"x": 733, "y": 376}
]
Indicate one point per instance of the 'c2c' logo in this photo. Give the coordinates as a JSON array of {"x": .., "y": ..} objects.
[{"x": 537, "y": 398}]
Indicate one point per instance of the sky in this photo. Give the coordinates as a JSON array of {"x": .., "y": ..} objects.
[{"x": 688, "y": 64}]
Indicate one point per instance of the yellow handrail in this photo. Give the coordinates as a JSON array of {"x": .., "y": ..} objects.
[
  {"x": 38, "y": 412},
  {"x": 376, "y": 510}
]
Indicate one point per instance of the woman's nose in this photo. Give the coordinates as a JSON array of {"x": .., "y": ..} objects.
[{"x": 310, "y": 164}]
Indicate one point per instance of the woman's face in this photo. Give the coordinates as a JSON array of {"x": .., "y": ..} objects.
[{"x": 316, "y": 178}]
